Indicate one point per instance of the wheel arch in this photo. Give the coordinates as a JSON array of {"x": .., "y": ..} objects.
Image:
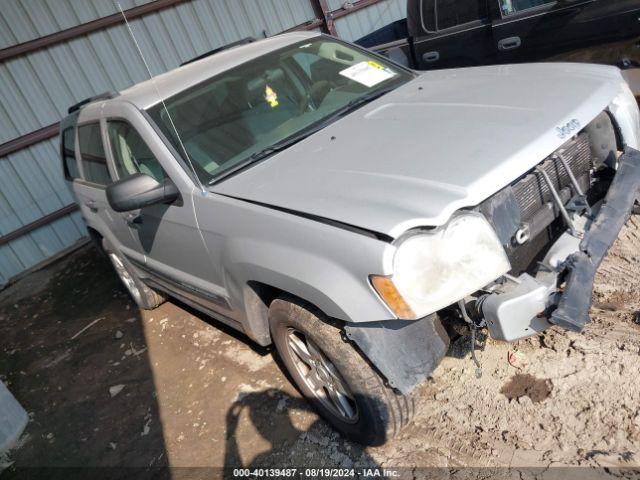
[{"x": 258, "y": 297}]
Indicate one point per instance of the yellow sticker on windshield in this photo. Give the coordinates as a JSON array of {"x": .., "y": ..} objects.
[
  {"x": 368, "y": 73},
  {"x": 271, "y": 96}
]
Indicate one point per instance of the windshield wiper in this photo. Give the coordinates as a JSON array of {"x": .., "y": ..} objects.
[
  {"x": 264, "y": 153},
  {"x": 357, "y": 102},
  {"x": 276, "y": 147},
  {"x": 287, "y": 142}
]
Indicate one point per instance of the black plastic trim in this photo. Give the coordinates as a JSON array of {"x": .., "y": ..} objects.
[
  {"x": 573, "y": 309},
  {"x": 405, "y": 352}
]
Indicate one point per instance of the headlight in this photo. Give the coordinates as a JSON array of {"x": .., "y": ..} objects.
[{"x": 432, "y": 270}]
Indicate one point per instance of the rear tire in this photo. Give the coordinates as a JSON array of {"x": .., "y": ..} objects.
[
  {"x": 321, "y": 364},
  {"x": 145, "y": 297}
]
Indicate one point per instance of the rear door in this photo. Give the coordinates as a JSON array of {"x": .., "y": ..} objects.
[
  {"x": 455, "y": 33},
  {"x": 90, "y": 189},
  {"x": 530, "y": 30}
]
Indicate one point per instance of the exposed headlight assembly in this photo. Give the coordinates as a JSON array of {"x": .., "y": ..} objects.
[{"x": 434, "y": 269}]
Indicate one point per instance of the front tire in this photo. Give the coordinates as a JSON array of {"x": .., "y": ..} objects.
[{"x": 343, "y": 387}]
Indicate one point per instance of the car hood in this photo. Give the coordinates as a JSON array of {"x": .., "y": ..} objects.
[{"x": 448, "y": 139}]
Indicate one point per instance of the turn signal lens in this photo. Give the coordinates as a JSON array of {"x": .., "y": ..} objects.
[{"x": 389, "y": 293}]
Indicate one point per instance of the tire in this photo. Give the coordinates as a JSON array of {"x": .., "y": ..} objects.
[
  {"x": 378, "y": 413},
  {"x": 145, "y": 297}
]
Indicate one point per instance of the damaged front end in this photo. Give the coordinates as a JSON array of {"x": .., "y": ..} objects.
[
  {"x": 558, "y": 289},
  {"x": 518, "y": 263}
]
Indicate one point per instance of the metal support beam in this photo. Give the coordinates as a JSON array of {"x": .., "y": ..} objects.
[
  {"x": 41, "y": 222},
  {"x": 352, "y": 7},
  {"x": 321, "y": 10},
  {"x": 29, "y": 139},
  {"x": 310, "y": 25},
  {"x": 85, "y": 28}
]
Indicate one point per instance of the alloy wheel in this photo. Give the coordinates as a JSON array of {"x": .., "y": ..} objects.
[{"x": 321, "y": 376}]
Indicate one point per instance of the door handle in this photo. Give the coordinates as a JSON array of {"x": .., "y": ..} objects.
[
  {"x": 510, "y": 43},
  {"x": 91, "y": 205},
  {"x": 431, "y": 57}
]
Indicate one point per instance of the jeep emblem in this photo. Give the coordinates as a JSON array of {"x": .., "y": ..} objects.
[{"x": 565, "y": 130}]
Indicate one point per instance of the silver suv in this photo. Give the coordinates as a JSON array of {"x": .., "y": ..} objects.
[{"x": 321, "y": 198}]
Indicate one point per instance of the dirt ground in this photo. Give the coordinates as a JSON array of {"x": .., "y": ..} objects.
[{"x": 173, "y": 388}]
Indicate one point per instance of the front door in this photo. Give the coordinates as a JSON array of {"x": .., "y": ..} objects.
[
  {"x": 455, "y": 33},
  {"x": 176, "y": 258}
]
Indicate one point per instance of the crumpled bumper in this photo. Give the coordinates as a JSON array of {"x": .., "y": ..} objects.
[{"x": 572, "y": 312}]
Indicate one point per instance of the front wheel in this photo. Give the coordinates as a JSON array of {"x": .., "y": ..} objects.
[{"x": 334, "y": 377}]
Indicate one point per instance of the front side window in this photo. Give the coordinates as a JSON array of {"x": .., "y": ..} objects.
[
  {"x": 130, "y": 152},
  {"x": 94, "y": 162},
  {"x": 509, "y": 7},
  {"x": 229, "y": 118},
  {"x": 69, "y": 163}
]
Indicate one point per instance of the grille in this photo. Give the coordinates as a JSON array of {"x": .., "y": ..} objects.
[
  {"x": 532, "y": 191},
  {"x": 518, "y": 204}
]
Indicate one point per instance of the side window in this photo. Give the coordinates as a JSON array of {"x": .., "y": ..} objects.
[
  {"x": 442, "y": 14},
  {"x": 428, "y": 15},
  {"x": 451, "y": 13},
  {"x": 69, "y": 163},
  {"x": 509, "y": 7},
  {"x": 130, "y": 152},
  {"x": 94, "y": 162}
]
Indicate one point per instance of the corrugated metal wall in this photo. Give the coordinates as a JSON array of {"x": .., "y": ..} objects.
[
  {"x": 369, "y": 19},
  {"x": 37, "y": 88},
  {"x": 22, "y": 20}
]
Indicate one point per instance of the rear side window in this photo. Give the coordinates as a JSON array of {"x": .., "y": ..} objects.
[
  {"x": 94, "y": 162},
  {"x": 130, "y": 152},
  {"x": 69, "y": 163},
  {"x": 510, "y": 7},
  {"x": 458, "y": 12},
  {"x": 443, "y": 14}
]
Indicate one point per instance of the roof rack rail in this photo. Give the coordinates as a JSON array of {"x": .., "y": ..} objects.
[
  {"x": 244, "y": 41},
  {"x": 82, "y": 103}
]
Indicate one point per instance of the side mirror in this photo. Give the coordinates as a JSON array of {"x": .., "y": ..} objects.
[{"x": 139, "y": 191}]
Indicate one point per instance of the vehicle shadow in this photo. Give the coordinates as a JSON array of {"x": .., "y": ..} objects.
[{"x": 270, "y": 413}]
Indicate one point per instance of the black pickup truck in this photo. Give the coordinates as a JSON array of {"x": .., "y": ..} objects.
[{"x": 459, "y": 33}]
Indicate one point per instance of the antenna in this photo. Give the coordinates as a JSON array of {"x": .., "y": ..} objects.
[{"x": 155, "y": 85}]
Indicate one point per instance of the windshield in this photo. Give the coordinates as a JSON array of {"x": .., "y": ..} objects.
[{"x": 236, "y": 118}]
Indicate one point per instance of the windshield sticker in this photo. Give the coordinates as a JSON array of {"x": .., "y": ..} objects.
[
  {"x": 368, "y": 73},
  {"x": 271, "y": 96}
]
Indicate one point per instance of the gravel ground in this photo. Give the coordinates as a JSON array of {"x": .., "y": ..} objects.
[{"x": 173, "y": 388}]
